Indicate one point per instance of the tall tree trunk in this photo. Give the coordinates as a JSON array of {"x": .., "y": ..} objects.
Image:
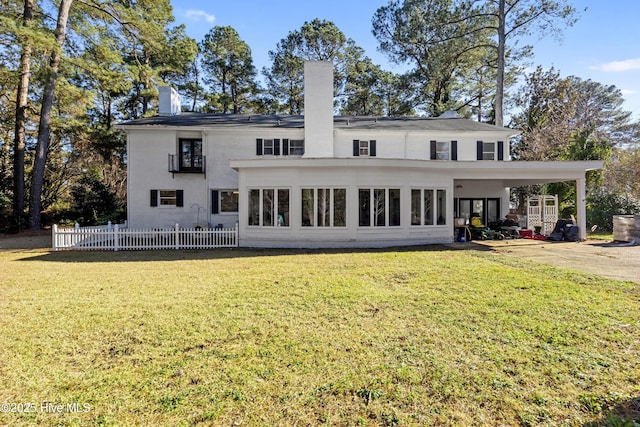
[
  {"x": 499, "y": 113},
  {"x": 44, "y": 128},
  {"x": 21, "y": 117}
]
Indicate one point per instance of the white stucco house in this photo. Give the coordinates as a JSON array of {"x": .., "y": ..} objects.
[{"x": 322, "y": 181}]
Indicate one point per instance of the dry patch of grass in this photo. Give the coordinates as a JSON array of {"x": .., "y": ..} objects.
[{"x": 405, "y": 337}]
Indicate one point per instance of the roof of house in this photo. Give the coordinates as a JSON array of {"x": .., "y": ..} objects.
[{"x": 297, "y": 122}]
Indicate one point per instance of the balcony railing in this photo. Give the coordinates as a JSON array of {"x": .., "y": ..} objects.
[{"x": 199, "y": 165}]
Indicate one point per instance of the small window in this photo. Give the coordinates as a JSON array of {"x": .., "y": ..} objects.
[
  {"x": 364, "y": 148},
  {"x": 296, "y": 147},
  {"x": 488, "y": 151},
  {"x": 229, "y": 201},
  {"x": 168, "y": 197},
  {"x": 442, "y": 150},
  {"x": 267, "y": 147}
]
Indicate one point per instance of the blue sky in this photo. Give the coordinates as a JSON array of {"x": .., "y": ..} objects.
[{"x": 604, "y": 45}]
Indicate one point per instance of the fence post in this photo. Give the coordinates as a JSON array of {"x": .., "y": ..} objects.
[
  {"x": 177, "y": 236},
  {"x": 54, "y": 237},
  {"x": 116, "y": 240},
  {"x": 237, "y": 236}
]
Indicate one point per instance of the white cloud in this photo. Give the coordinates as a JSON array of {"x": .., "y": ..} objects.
[
  {"x": 619, "y": 66},
  {"x": 626, "y": 92},
  {"x": 197, "y": 15}
]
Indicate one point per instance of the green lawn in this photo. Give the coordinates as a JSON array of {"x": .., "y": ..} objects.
[{"x": 422, "y": 336}]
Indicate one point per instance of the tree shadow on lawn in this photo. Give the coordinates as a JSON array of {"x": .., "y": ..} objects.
[
  {"x": 623, "y": 414},
  {"x": 224, "y": 253}
]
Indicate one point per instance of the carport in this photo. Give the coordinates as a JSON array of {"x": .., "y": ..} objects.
[{"x": 491, "y": 181}]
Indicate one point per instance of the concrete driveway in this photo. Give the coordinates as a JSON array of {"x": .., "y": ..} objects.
[{"x": 614, "y": 261}]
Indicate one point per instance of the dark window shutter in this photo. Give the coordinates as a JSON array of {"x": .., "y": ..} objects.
[
  {"x": 258, "y": 147},
  {"x": 372, "y": 148},
  {"x": 285, "y": 147},
  {"x": 454, "y": 150},
  {"x": 179, "y": 198},
  {"x": 214, "y": 201},
  {"x": 276, "y": 147},
  {"x": 433, "y": 150},
  {"x": 500, "y": 150},
  {"x": 479, "y": 150},
  {"x": 154, "y": 198},
  {"x": 356, "y": 147}
]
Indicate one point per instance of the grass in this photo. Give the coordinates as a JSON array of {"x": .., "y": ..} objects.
[{"x": 420, "y": 336}]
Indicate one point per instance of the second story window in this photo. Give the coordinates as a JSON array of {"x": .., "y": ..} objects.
[
  {"x": 364, "y": 148},
  {"x": 295, "y": 147},
  {"x": 444, "y": 150},
  {"x": 267, "y": 147},
  {"x": 490, "y": 150},
  {"x": 279, "y": 147},
  {"x": 191, "y": 159}
]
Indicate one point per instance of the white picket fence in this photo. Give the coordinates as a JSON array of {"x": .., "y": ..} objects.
[{"x": 119, "y": 238}]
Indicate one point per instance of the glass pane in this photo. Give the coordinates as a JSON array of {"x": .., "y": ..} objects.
[
  {"x": 307, "y": 207},
  {"x": 197, "y": 154},
  {"x": 477, "y": 206},
  {"x": 283, "y": 208},
  {"x": 254, "y": 207},
  {"x": 228, "y": 201},
  {"x": 268, "y": 146},
  {"x": 442, "y": 150},
  {"x": 296, "y": 147},
  {"x": 185, "y": 154},
  {"x": 394, "y": 206},
  {"x": 267, "y": 208},
  {"x": 465, "y": 208},
  {"x": 428, "y": 207},
  {"x": 167, "y": 197},
  {"x": 379, "y": 205},
  {"x": 364, "y": 148},
  {"x": 493, "y": 211},
  {"x": 324, "y": 207},
  {"x": 488, "y": 151},
  {"x": 340, "y": 207},
  {"x": 415, "y": 207},
  {"x": 442, "y": 207},
  {"x": 364, "y": 199}
]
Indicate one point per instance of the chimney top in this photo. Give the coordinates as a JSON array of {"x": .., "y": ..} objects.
[{"x": 169, "y": 101}]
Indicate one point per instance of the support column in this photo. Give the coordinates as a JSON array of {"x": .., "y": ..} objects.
[{"x": 581, "y": 205}]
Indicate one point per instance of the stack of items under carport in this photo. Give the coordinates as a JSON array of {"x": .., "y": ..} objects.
[
  {"x": 626, "y": 228},
  {"x": 565, "y": 230}
]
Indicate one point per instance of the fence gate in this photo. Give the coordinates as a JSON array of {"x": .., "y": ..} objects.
[{"x": 542, "y": 211}]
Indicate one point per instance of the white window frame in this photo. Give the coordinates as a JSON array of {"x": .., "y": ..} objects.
[
  {"x": 443, "y": 153},
  {"x": 489, "y": 154},
  {"x": 219, "y": 201},
  {"x": 296, "y": 145},
  {"x": 268, "y": 147},
  {"x": 167, "y": 198},
  {"x": 364, "y": 148},
  {"x": 276, "y": 222},
  {"x": 332, "y": 207},
  {"x": 387, "y": 207},
  {"x": 434, "y": 215}
]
